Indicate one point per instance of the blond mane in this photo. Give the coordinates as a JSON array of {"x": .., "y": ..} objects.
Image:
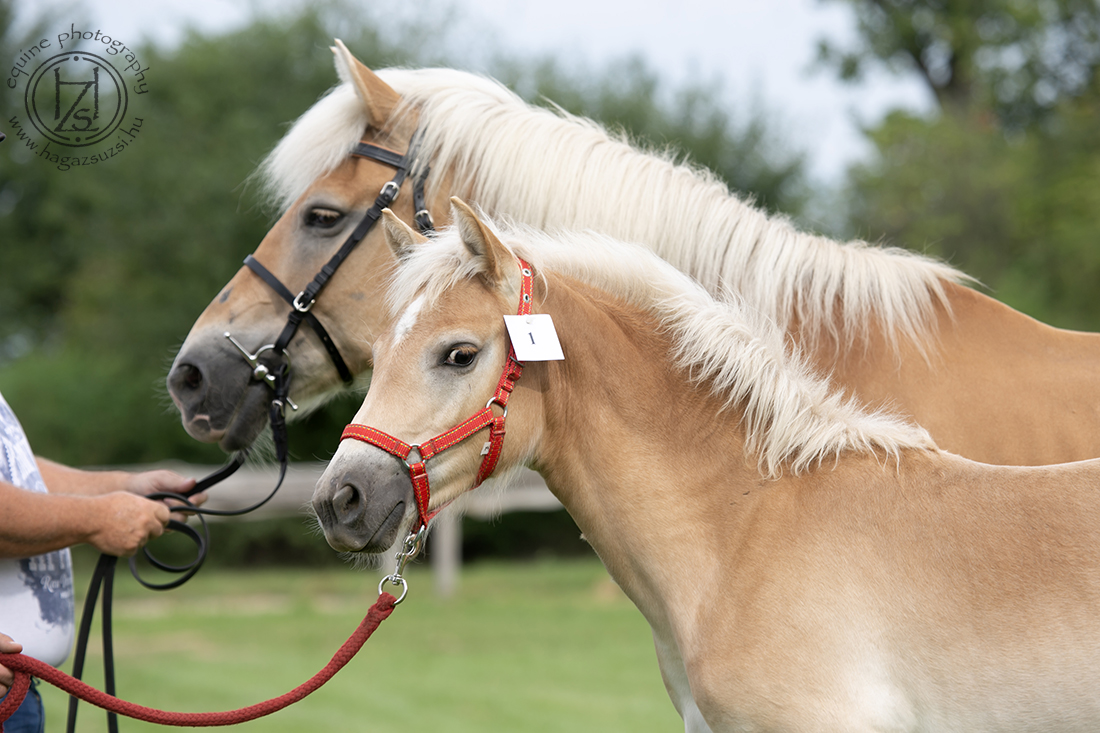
[
  {"x": 548, "y": 169},
  {"x": 793, "y": 418}
]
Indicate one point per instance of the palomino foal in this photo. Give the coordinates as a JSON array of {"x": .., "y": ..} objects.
[{"x": 804, "y": 565}]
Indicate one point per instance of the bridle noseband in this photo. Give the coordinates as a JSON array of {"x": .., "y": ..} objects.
[{"x": 483, "y": 418}]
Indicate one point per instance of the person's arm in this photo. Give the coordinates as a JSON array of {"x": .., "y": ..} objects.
[
  {"x": 7, "y": 646},
  {"x": 64, "y": 480},
  {"x": 118, "y": 523}
]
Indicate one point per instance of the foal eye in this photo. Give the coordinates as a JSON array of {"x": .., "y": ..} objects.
[
  {"x": 323, "y": 218},
  {"x": 461, "y": 356}
]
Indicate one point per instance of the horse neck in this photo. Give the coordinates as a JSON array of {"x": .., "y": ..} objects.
[
  {"x": 628, "y": 431},
  {"x": 691, "y": 220}
]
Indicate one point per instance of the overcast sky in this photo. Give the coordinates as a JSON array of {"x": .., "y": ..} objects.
[{"x": 763, "y": 50}]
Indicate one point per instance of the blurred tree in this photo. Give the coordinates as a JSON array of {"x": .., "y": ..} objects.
[
  {"x": 1004, "y": 180},
  {"x": 103, "y": 270},
  {"x": 1017, "y": 58},
  {"x": 28, "y": 301}
]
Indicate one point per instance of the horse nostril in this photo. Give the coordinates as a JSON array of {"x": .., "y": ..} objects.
[
  {"x": 346, "y": 500},
  {"x": 185, "y": 376},
  {"x": 192, "y": 376}
]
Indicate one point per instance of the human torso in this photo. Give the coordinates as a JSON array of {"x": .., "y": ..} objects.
[{"x": 36, "y": 593}]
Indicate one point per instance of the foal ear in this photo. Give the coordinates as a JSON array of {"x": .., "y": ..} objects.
[
  {"x": 378, "y": 97},
  {"x": 401, "y": 238},
  {"x": 479, "y": 239}
]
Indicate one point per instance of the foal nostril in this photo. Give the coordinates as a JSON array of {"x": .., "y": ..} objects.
[{"x": 346, "y": 501}]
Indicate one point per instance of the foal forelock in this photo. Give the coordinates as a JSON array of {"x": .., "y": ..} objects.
[
  {"x": 793, "y": 419},
  {"x": 548, "y": 169}
]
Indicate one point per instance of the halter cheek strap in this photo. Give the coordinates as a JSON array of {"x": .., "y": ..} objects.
[{"x": 483, "y": 418}]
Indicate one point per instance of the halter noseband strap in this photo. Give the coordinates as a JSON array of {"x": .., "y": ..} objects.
[
  {"x": 303, "y": 301},
  {"x": 481, "y": 419}
]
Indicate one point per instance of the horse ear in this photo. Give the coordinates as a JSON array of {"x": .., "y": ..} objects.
[
  {"x": 378, "y": 97},
  {"x": 401, "y": 238},
  {"x": 479, "y": 239}
]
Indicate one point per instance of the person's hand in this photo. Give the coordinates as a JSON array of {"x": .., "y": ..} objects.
[
  {"x": 7, "y": 646},
  {"x": 124, "y": 522},
  {"x": 152, "y": 482}
]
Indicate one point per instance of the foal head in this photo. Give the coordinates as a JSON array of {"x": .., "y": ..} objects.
[
  {"x": 438, "y": 364},
  {"x": 325, "y": 192}
]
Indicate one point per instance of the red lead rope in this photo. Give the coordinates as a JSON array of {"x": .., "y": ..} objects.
[
  {"x": 481, "y": 419},
  {"x": 24, "y": 667}
]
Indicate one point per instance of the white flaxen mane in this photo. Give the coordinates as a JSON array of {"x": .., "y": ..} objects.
[
  {"x": 550, "y": 170},
  {"x": 793, "y": 419}
]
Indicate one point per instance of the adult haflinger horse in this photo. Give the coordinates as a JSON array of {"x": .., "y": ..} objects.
[
  {"x": 805, "y": 565},
  {"x": 893, "y": 329}
]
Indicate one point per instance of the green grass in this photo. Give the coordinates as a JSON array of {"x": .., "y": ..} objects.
[{"x": 543, "y": 646}]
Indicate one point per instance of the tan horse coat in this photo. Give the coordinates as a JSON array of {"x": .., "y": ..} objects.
[
  {"x": 886, "y": 586},
  {"x": 988, "y": 382}
]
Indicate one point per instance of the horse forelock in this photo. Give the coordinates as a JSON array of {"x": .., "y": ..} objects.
[
  {"x": 548, "y": 169},
  {"x": 793, "y": 418},
  {"x": 318, "y": 141}
]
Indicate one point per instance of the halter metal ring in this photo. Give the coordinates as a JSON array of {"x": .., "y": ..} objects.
[
  {"x": 495, "y": 401},
  {"x": 419, "y": 457},
  {"x": 395, "y": 580}
]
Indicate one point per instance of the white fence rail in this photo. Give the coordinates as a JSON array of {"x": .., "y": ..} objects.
[{"x": 250, "y": 484}]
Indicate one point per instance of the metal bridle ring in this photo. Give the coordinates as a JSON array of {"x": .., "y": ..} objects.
[
  {"x": 390, "y": 186},
  {"x": 299, "y": 307}
]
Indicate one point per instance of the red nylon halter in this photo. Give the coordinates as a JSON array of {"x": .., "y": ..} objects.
[{"x": 483, "y": 418}]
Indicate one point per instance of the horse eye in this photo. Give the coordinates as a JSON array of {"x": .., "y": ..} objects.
[
  {"x": 323, "y": 218},
  {"x": 461, "y": 356}
]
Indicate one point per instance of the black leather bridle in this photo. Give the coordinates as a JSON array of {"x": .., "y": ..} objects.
[
  {"x": 302, "y": 302},
  {"x": 279, "y": 382}
]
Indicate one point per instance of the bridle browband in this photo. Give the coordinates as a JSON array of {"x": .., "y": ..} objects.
[{"x": 483, "y": 418}]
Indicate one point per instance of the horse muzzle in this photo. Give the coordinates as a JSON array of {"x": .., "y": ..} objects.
[
  {"x": 217, "y": 396},
  {"x": 363, "y": 510}
]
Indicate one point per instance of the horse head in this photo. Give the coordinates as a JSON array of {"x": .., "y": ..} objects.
[
  {"x": 222, "y": 393},
  {"x": 438, "y": 364}
]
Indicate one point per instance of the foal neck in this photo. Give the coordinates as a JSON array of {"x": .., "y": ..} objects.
[{"x": 640, "y": 458}]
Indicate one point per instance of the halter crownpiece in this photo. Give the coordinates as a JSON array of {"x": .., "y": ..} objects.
[{"x": 483, "y": 418}]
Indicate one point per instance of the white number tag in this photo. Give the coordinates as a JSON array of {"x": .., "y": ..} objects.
[{"x": 534, "y": 338}]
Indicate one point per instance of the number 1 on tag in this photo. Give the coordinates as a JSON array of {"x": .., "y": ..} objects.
[{"x": 534, "y": 337}]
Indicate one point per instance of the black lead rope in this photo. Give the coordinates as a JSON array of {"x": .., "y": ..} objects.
[{"x": 103, "y": 576}]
